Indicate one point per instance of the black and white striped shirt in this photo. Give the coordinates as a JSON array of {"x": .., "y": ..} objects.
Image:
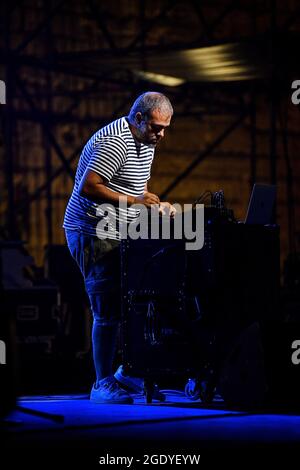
[{"x": 113, "y": 153}]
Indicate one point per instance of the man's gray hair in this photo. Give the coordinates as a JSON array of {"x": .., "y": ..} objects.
[{"x": 148, "y": 102}]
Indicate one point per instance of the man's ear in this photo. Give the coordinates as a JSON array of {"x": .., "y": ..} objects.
[{"x": 138, "y": 117}]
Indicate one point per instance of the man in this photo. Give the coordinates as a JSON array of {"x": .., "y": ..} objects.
[{"x": 114, "y": 168}]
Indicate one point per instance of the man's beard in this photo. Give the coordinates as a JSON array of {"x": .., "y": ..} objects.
[{"x": 149, "y": 144}]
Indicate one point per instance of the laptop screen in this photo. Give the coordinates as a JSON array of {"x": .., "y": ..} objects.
[{"x": 261, "y": 204}]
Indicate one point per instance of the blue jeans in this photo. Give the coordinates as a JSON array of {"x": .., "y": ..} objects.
[{"x": 99, "y": 262}]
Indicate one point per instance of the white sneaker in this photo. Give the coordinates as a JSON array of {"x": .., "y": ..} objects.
[
  {"x": 109, "y": 391},
  {"x": 136, "y": 384}
]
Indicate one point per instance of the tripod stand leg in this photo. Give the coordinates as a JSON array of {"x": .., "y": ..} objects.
[{"x": 149, "y": 389}]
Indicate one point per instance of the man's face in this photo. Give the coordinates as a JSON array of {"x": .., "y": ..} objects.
[{"x": 150, "y": 129}]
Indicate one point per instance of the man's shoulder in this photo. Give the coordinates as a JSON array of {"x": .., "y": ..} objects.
[
  {"x": 115, "y": 131},
  {"x": 118, "y": 128}
]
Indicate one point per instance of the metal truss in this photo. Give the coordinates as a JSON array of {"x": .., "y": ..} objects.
[{"x": 93, "y": 80}]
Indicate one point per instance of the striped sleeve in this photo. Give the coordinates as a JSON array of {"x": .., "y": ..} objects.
[{"x": 108, "y": 156}]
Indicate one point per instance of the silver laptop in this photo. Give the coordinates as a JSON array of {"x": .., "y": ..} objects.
[{"x": 261, "y": 204}]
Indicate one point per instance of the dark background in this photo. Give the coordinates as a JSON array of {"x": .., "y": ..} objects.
[{"x": 72, "y": 66}]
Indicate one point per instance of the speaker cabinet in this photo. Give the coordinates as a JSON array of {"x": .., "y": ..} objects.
[{"x": 243, "y": 375}]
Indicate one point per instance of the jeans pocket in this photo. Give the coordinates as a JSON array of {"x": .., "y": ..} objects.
[
  {"x": 73, "y": 242},
  {"x": 80, "y": 248}
]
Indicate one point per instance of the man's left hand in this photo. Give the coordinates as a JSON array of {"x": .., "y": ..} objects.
[{"x": 165, "y": 208}]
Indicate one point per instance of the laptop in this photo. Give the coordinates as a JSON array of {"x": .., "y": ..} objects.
[{"x": 261, "y": 204}]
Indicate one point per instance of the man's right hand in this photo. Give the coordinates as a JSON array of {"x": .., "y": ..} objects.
[{"x": 147, "y": 199}]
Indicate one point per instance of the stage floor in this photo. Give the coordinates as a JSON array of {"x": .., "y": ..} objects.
[{"x": 75, "y": 426}]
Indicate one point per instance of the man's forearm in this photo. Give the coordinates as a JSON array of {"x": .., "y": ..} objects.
[
  {"x": 93, "y": 187},
  {"x": 100, "y": 193}
]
